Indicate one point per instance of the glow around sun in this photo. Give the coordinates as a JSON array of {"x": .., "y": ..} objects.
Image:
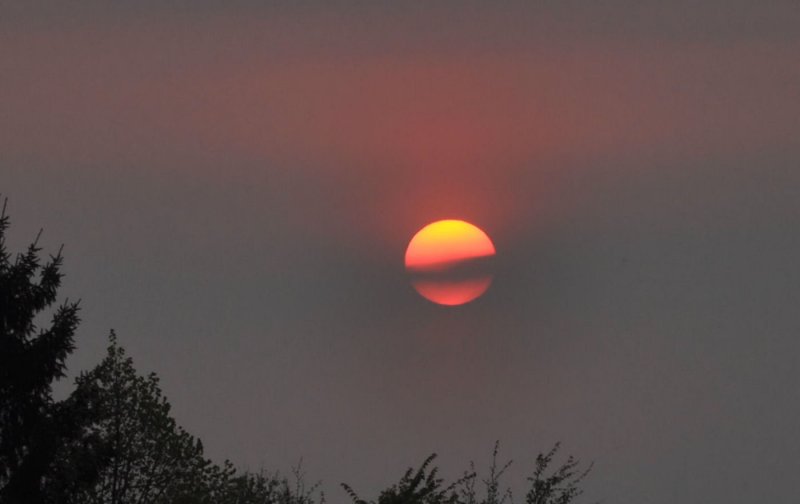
[{"x": 449, "y": 262}]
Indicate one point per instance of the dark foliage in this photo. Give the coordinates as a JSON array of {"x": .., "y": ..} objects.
[
  {"x": 423, "y": 486},
  {"x": 262, "y": 488},
  {"x": 493, "y": 494},
  {"x": 559, "y": 487},
  {"x": 148, "y": 458},
  {"x": 32, "y": 425}
]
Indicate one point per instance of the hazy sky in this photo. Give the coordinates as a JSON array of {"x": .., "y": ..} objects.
[{"x": 236, "y": 184}]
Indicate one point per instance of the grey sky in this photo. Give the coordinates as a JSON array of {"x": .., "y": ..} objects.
[{"x": 235, "y": 185}]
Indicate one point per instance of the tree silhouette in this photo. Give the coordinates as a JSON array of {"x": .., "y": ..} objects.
[
  {"x": 151, "y": 459},
  {"x": 148, "y": 458},
  {"x": 264, "y": 488},
  {"x": 559, "y": 487},
  {"x": 32, "y": 425},
  {"x": 423, "y": 486},
  {"x": 494, "y": 495}
]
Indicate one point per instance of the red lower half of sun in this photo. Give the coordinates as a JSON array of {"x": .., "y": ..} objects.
[
  {"x": 449, "y": 262},
  {"x": 452, "y": 293}
]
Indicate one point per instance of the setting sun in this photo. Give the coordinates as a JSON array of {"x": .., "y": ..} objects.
[{"x": 448, "y": 262}]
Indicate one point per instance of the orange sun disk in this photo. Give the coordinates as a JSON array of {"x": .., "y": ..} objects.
[{"x": 448, "y": 262}]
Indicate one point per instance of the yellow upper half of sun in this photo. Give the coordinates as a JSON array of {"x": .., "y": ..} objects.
[{"x": 447, "y": 240}]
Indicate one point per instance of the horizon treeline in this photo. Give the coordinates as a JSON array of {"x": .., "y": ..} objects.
[{"x": 113, "y": 440}]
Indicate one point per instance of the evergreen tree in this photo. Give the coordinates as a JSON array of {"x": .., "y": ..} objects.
[{"x": 32, "y": 425}]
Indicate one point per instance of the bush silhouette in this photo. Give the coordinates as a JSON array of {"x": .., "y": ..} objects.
[{"x": 424, "y": 486}]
